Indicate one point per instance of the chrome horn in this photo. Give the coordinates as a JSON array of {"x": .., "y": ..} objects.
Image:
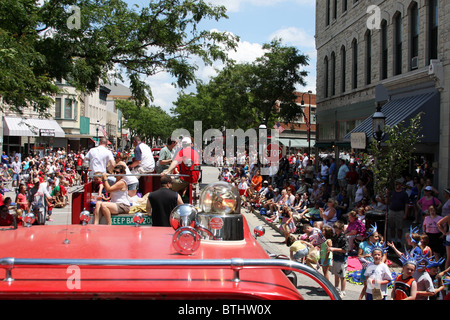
[{"x": 186, "y": 239}]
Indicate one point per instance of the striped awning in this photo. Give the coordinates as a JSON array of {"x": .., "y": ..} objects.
[
  {"x": 31, "y": 127},
  {"x": 401, "y": 109}
]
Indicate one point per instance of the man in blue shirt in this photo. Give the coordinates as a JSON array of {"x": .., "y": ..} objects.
[
  {"x": 5, "y": 159},
  {"x": 332, "y": 174}
]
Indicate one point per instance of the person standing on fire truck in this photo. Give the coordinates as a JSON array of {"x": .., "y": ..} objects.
[
  {"x": 187, "y": 159},
  {"x": 100, "y": 158},
  {"x": 143, "y": 161}
]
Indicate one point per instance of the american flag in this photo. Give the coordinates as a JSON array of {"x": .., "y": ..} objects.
[
  {"x": 308, "y": 125},
  {"x": 278, "y": 127},
  {"x": 102, "y": 130}
]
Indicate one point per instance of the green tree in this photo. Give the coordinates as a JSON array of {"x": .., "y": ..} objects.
[
  {"x": 200, "y": 106},
  {"x": 393, "y": 157},
  {"x": 277, "y": 74},
  {"x": 22, "y": 81},
  {"x": 39, "y": 43},
  {"x": 147, "y": 122}
]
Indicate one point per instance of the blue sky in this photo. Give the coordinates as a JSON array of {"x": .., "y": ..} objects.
[{"x": 256, "y": 22}]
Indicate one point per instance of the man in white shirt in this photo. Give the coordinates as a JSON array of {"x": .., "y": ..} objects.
[
  {"x": 100, "y": 158},
  {"x": 143, "y": 161},
  {"x": 16, "y": 167},
  {"x": 343, "y": 169},
  {"x": 305, "y": 160}
]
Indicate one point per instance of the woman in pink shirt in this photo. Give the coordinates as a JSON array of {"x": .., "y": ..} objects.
[
  {"x": 355, "y": 230},
  {"x": 431, "y": 229},
  {"x": 428, "y": 200}
]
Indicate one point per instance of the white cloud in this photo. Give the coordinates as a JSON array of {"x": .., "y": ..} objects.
[
  {"x": 236, "y": 5},
  {"x": 164, "y": 94},
  {"x": 295, "y": 36},
  {"x": 247, "y": 52}
]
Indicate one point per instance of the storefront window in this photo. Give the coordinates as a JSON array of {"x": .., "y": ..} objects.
[
  {"x": 68, "y": 109},
  {"x": 58, "y": 108}
]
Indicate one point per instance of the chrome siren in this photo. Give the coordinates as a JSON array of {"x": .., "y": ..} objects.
[
  {"x": 219, "y": 218},
  {"x": 183, "y": 215},
  {"x": 220, "y": 211}
]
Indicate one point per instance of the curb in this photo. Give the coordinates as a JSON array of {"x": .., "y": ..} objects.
[{"x": 262, "y": 218}]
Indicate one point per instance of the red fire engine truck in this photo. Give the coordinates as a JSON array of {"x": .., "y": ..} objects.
[{"x": 207, "y": 253}]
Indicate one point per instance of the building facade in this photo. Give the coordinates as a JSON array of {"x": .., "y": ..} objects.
[
  {"x": 389, "y": 53},
  {"x": 76, "y": 121},
  {"x": 114, "y": 125},
  {"x": 300, "y": 134}
]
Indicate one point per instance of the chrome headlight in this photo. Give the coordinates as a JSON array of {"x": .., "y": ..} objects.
[
  {"x": 85, "y": 216},
  {"x": 29, "y": 219},
  {"x": 259, "y": 231},
  {"x": 138, "y": 218}
]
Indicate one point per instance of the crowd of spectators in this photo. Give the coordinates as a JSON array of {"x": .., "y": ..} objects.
[
  {"x": 29, "y": 177},
  {"x": 307, "y": 197}
]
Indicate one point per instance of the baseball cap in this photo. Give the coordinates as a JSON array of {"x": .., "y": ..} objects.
[
  {"x": 186, "y": 141},
  {"x": 36, "y": 180},
  {"x": 428, "y": 188}
]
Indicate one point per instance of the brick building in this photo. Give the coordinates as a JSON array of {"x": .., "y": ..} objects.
[{"x": 390, "y": 53}]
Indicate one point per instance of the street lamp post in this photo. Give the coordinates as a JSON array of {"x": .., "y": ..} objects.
[
  {"x": 262, "y": 141},
  {"x": 96, "y": 129},
  {"x": 309, "y": 120},
  {"x": 378, "y": 123}
]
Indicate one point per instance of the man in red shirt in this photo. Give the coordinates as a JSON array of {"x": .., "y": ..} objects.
[{"x": 186, "y": 160}]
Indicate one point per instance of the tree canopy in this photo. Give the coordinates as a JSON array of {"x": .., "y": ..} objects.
[
  {"x": 147, "y": 122},
  {"x": 87, "y": 42}
]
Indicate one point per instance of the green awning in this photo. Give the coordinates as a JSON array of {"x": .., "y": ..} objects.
[{"x": 296, "y": 143}]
